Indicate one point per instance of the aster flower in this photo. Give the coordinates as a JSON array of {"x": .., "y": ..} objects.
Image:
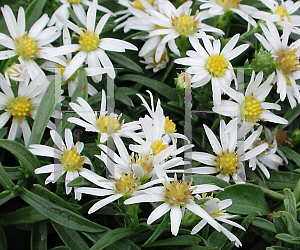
[
  {"x": 28, "y": 45},
  {"x": 279, "y": 12},
  {"x": 106, "y": 125},
  {"x": 78, "y": 9},
  {"x": 230, "y": 155},
  {"x": 176, "y": 197},
  {"x": 91, "y": 47},
  {"x": 220, "y": 7},
  {"x": 250, "y": 107},
  {"x": 20, "y": 107},
  {"x": 71, "y": 161},
  {"x": 286, "y": 60},
  {"x": 210, "y": 64},
  {"x": 149, "y": 59},
  {"x": 215, "y": 208}
]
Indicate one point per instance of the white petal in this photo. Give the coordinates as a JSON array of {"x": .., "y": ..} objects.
[
  {"x": 175, "y": 217},
  {"x": 104, "y": 202},
  {"x": 158, "y": 212}
]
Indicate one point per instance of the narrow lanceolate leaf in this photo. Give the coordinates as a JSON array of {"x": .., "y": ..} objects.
[
  {"x": 288, "y": 238},
  {"x": 290, "y": 115},
  {"x": 158, "y": 86},
  {"x": 218, "y": 239},
  {"x": 70, "y": 237},
  {"x": 5, "y": 181},
  {"x": 181, "y": 240},
  {"x": 3, "y": 132},
  {"x": 5, "y": 196},
  {"x": 113, "y": 236},
  {"x": 263, "y": 224},
  {"x": 21, "y": 216},
  {"x": 39, "y": 235},
  {"x": 288, "y": 223},
  {"x": 290, "y": 202},
  {"x": 42, "y": 116},
  {"x": 33, "y": 12},
  {"x": 159, "y": 230},
  {"x": 291, "y": 154},
  {"x": 122, "y": 97},
  {"x": 27, "y": 159},
  {"x": 3, "y": 242},
  {"x": 280, "y": 180},
  {"x": 59, "y": 214},
  {"x": 124, "y": 61}
]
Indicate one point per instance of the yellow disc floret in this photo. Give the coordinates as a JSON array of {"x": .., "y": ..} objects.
[
  {"x": 217, "y": 65},
  {"x": 228, "y": 4},
  {"x": 287, "y": 61},
  {"x": 185, "y": 25},
  {"x": 178, "y": 194},
  {"x": 127, "y": 184},
  {"x": 146, "y": 162},
  {"x": 26, "y": 47},
  {"x": 89, "y": 41},
  {"x": 281, "y": 10},
  {"x": 251, "y": 109},
  {"x": 74, "y": 1},
  {"x": 227, "y": 163},
  {"x": 19, "y": 107},
  {"x": 288, "y": 81},
  {"x": 158, "y": 146},
  {"x": 170, "y": 126},
  {"x": 138, "y": 5},
  {"x": 108, "y": 124},
  {"x": 71, "y": 160}
]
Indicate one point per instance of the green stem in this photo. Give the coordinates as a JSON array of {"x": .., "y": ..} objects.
[
  {"x": 272, "y": 194},
  {"x": 132, "y": 210},
  {"x": 167, "y": 71}
]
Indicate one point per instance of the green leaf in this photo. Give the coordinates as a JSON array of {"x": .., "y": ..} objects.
[
  {"x": 278, "y": 248},
  {"x": 21, "y": 216},
  {"x": 5, "y": 197},
  {"x": 42, "y": 116},
  {"x": 159, "y": 230},
  {"x": 280, "y": 180},
  {"x": 208, "y": 179},
  {"x": 263, "y": 224},
  {"x": 290, "y": 202},
  {"x": 200, "y": 248},
  {"x": 246, "y": 198},
  {"x": 5, "y": 181},
  {"x": 113, "y": 236},
  {"x": 70, "y": 237},
  {"x": 288, "y": 238},
  {"x": 287, "y": 223},
  {"x": 181, "y": 240},
  {"x": 14, "y": 173},
  {"x": 291, "y": 154},
  {"x": 59, "y": 214},
  {"x": 290, "y": 115},
  {"x": 218, "y": 239},
  {"x": 39, "y": 235},
  {"x": 159, "y": 87},
  {"x": 33, "y": 12},
  {"x": 229, "y": 246},
  {"x": 3, "y": 242},
  {"x": 122, "y": 97},
  {"x": 124, "y": 61},
  {"x": 27, "y": 159},
  {"x": 79, "y": 182},
  {"x": 3, "y": 132}
]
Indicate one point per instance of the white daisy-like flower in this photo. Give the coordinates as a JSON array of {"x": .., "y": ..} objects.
[
  {"x": 250, "y": 107},
  {"x": 176, "y": 197},
  {"x": 267, "y": 158},
  {"x": 91, "y": 47},
  {"x": 20, "y": 107},
  {"x": 220, "y": 7},
  {"x": 78, "y": 9},
  {"x": 286, "y": 60},
  {"x": 59, "y": 69},
  {"x": 279, "y": 12},
  {"x": 71, "y": 161},
  {"x": 149, "y": 59},
  {"x": 216, "y": 209},
  {"x": 211, "y": 64},
  {"x": 124, "y": 185},
  {"x": 230, "y": 155},
  {"x": 106, "y": 125},
  {"x": 172, "y": 23},
  {"x": 16, "y": 72},
  {"x": 28, "y": 45}
]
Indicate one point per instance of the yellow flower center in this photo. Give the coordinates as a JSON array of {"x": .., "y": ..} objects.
[
  {"x": 178, "y": 194},
  {"x": 109, "y": 125},
  {"x": 228, "y": 4},
  {"x": 146, "y": 162},
  {"x": 127, "y": 184},
  {"x": 185, "y": 25},
  {"x": 74, "y": 1},
  {"x": 89, "y": 41},
  {"x": 157, "y": 146},
  {"x": 217, "y": 65},
  {"x": 26, "y": 47},
  {"x": 170, "y": 127},
  {"x": 287, "y": 61},
  {"x": 227, "y": 163},
  {"x": 251, "y": 109},
  {"x": 138, "y": 4},
  {"x": 71, "y": 160},
  {"x": 19, "y": 107},
  {"x": 288, "y": 81},
  {"x": 281, "y": 10}
]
